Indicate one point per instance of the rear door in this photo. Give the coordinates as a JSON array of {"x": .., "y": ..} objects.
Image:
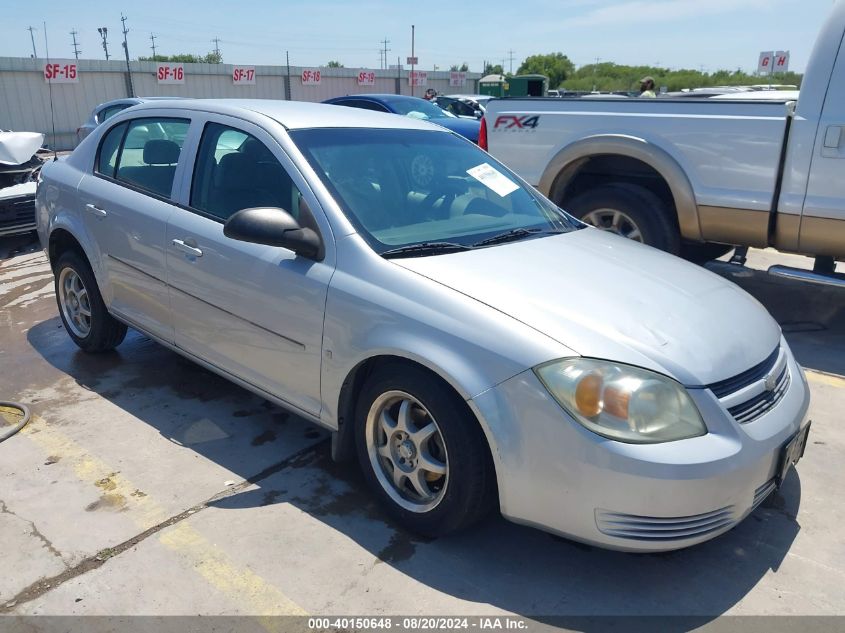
[
  {"x": 254, "y": 311},
  {"x": 126, "y": 201}
]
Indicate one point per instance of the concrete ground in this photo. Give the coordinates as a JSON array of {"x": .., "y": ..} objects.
[{"x": 147, "y": 485}]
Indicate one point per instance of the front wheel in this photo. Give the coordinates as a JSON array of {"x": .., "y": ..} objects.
[
  {"x": 630, "y": 211},
  {"x": 422, "y": 452},
  {"x": 81, "y": 306}
]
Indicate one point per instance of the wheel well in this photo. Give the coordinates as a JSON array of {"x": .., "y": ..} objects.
[
  {"x": 62, "y": 241},
  {"x": 343, "y": 446},
  {"x": 594, "y": 171}
]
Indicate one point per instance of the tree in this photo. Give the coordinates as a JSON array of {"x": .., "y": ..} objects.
[
  {"x": 334, "y": 64},
  {"x": 463, "y": 67},
  {"x": 493, "y": 69},
  {"x": 186, "y": 58},
  {"x": 556, "y": 66}
]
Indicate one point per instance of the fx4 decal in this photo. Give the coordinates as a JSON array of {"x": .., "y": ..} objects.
[{"x": 509, "y": 121}]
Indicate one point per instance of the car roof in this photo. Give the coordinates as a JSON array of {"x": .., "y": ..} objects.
[{"x": 295, "y": 114}]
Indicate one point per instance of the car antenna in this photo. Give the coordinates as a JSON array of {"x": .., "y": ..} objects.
[{"x": 50, "y": 88}]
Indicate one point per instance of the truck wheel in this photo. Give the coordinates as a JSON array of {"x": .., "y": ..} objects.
[
  {"x": 630, "y": 211},
  {"x": 422, "y": 452},
  {"x": 81, "y": 306}
]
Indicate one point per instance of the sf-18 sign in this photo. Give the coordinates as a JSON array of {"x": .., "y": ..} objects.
[
  {"x": 418, "y": 78},
  {"x": 366, "y": 78},
  {"x": 457, "y": 78},
  {"x": 243, "y": 75},
  {"x": 61, "y": 73},
  {"x": 310, "y": 77},
  {"x": 170, "y": 74}
]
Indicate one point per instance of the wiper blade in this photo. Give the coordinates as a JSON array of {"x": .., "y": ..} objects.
[
  {"x": 425, "y": 248},
  {"x": 513, "y": 235}
]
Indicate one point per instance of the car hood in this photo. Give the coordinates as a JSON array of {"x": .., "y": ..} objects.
[
  {"x": 608, "y": 297},
  {"x": 467, "y": 128}
]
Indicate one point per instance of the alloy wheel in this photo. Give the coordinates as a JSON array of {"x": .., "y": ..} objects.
[{"x": 75, "y": 302}]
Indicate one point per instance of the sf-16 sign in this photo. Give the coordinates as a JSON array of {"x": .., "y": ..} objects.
[{"x": 170, "y": 74}]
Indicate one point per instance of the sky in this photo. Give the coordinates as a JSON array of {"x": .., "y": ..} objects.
[{"x": 700, "y": 34}]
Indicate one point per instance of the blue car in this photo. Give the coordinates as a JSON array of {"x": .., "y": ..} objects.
[{"x": 413, "y": 107}]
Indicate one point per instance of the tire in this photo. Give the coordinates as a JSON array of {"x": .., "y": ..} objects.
[
  {"x": 462, "y": 489},
  {"x": 642, "y": 215},
  {"x": 76, "y": 293},
  {"x": 703, "y": 253}
]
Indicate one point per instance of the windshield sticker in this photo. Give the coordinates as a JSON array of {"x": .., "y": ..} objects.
[{"x": 493, "y": 179}]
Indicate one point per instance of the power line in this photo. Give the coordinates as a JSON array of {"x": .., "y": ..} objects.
[
  {"x": 76, "y": 50},
  {"x": 510, "y": 58},
  {"x": 385, "y": 50},
  {"x": 153, "y": 41},
  {"x": 216, "y": 41},
  {"x": 32, "y": 37}
]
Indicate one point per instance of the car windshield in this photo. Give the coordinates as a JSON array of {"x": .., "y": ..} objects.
[
  {"x": 417, "y": 187},
  {"x": 418, "y": 109}
]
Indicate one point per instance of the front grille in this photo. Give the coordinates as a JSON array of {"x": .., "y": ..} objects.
[
  {"x": 645, "y": 528},
  {"x": 750, "y": 376},
  {"x": 762, "y": 403},
  {"x": 17, "y": 213}
]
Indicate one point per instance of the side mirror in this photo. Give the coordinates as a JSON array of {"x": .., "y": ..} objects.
[
  {"x": 479, "y": 114},
  {"x": 273, "y": 227}
]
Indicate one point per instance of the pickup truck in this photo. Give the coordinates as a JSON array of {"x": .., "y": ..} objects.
[{"x": 695, "y": 177}]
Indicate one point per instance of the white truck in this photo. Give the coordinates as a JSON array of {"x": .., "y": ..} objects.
[{"x": 694, "y": 177}]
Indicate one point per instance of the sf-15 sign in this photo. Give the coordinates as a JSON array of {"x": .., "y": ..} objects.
[
  {"x": 170, "y": 74},
  {"x": 61, "y": 73}
]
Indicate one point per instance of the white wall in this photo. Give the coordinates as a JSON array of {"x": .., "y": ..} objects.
[{"x": 25, "y": 95}]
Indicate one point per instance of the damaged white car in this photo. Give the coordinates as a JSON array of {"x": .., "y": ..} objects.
[{"x": 20, "y": 163}]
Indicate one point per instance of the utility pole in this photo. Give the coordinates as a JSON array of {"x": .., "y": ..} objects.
[
  {"x": 510, "y": 57},
  {"x": 153, "y": 41},
  {"x": 104, "y": 32},
  {"x": 386, "y": 50},
  {"x": 287, "y": 76},
  {"x": 126, "y": 51},
  {"x": 32, "y": 37},
  {"x": 412, "y": 60},
  {"x": 216, "y": 41},
  {"x": 76, "y": 50}
]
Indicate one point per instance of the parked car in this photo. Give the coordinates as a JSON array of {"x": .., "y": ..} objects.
[
  {"x": 695, "y": 176},
  {"x": 20, "y": 163},
  {"x": 413, "y": 107},
  {"x": 106, "y": 110},
  {"x": 470, "y": 342},
  {"x": 459, "y": 107}
]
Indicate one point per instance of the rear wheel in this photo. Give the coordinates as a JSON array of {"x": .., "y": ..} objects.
[
  {"x": 81, "y": 306},
  {"x": 630, "y": 211},
  {"x": 422, "y": 452}
]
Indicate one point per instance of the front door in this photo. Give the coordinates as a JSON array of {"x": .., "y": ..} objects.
[{"x": 254, "y": 311}]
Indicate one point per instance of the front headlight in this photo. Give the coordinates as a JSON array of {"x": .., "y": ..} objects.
[{"x": 622, "y": 402}]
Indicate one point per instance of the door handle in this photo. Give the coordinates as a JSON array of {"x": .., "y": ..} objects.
[
  {"x": 101, "y": 213},
  {"x": 188, "y": 247}
]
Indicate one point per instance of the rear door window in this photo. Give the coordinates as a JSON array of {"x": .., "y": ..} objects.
[
  {"x": 147, "y": 155},
  {"x": 109, "y": 147}
]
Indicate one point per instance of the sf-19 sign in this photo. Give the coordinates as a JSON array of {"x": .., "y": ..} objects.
[
  {"x": 311, "y": 77},
  {"x": 366, "y": 78},
  {"x": 61, "y": 73},
  {"x": 170, "y": 74},
  {"x": 243, "y": 75}
]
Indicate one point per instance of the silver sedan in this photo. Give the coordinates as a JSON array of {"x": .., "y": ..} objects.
[{"x": 471, "y": 344}]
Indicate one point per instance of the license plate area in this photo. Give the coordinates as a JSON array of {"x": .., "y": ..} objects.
[{"x": 792, "y": 451}]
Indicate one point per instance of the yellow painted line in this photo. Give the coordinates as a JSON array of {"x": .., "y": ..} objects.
[
  {"x": 240, "y": 584},
  {"x": 825, "y": 379}
]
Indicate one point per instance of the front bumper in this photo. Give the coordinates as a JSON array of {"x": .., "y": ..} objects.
[
  {"x": 556, "y": 475},
  {"x": 17, "y": 214}
]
